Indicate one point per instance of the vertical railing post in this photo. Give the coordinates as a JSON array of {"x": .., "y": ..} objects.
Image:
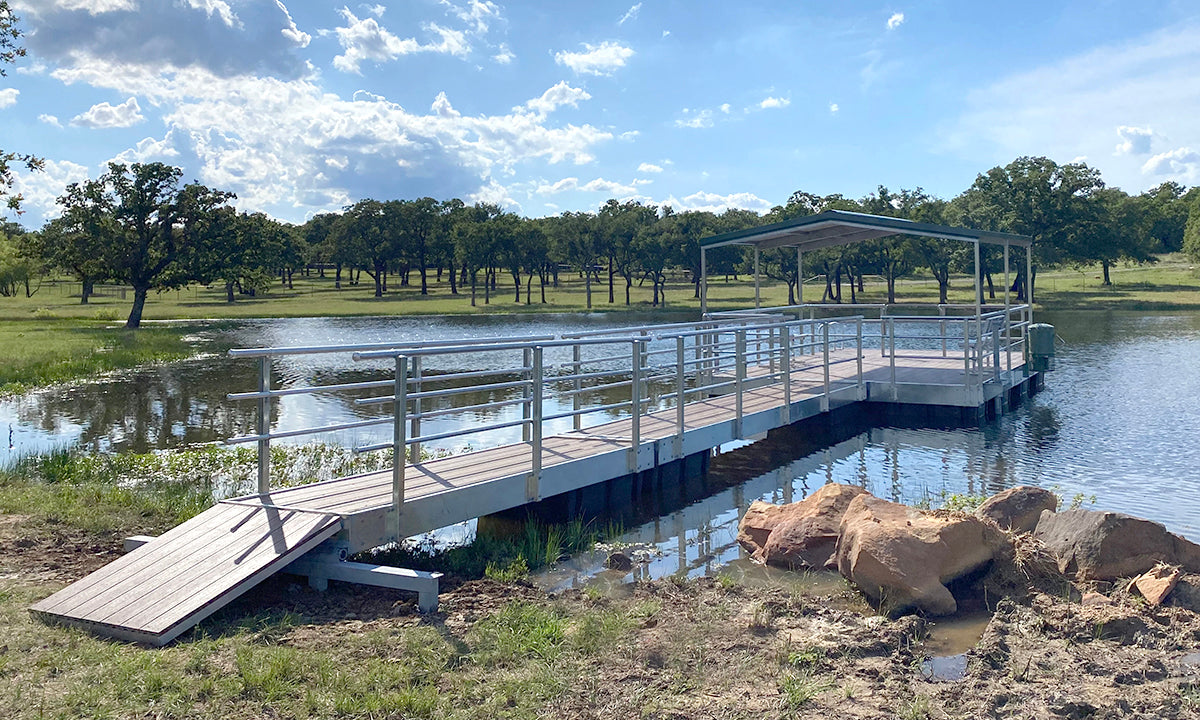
[
  {"x": 577, "y": 396},
  {"x": 399, "y": 410},
  {"x": 526, "y": 394},
  {"x": 680, "y": 394},
  {"x": 635, "y": 403},
  {"x": 739, "y": 378},
  {"x": 785, "y": 363},
  {"x": 967, "y": 352},
  {"x": 825, "y": 350},
  {"x": 862, "y": 395},
  {"x": 414, "y": 449},
  {"x": 892, "y": 353},
  {"x": 942, "y": 327},
  {"x": 264, "y": 425},
  {"x": 996, "y": 351},
  {"x": 533, "y": 488}
]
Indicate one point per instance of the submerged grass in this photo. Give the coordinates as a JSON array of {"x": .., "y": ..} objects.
[
  {"x": 504, "y": 557},
  {"x": 49, "y": 350}
]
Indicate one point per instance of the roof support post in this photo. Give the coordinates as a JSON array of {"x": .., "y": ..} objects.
[
  {"x": 799, "y": 276},
  {"x": 978, "y": 285},
  {"x": 1007, "y": 318},
  {"x": 703, "y": 281},
  {"x": 757, "y": 299},
  {"x": 1029, "y": 280}
]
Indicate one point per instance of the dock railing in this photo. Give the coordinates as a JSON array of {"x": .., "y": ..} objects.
[
  {"x": 559, "y": 384},
  {"x": 987, "y": 342},
  {"x": 562, "y": 384}
]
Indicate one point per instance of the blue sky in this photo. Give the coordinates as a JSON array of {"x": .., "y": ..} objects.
[{"x": 301, "y": 107}]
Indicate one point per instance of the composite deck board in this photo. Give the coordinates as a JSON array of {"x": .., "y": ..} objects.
[{"x": 186, "y": 573}]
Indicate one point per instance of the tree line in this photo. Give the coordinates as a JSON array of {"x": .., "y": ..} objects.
[{"x": 142, "y": 226}]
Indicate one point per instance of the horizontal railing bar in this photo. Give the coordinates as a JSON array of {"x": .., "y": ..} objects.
[
  {"x": 446, "y": 392},
  {"x": 320, "y": 349},
  {"x": 585, "y": 411},
  {"x": 497, "y": 347},
  {"x": 308, "y": 390},
  {"x": 466, "y": 408},
  {"x": 309, "y": 431}
]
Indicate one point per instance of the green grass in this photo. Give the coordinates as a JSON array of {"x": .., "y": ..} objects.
[
  {"x": 1172, "y": 282},
  {"x": 46, "y": 351}
]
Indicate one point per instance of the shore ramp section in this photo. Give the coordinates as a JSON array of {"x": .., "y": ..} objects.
[{"x": 163, "y": 588}]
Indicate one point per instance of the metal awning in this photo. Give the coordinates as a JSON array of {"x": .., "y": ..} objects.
[{"x": 838, "y": 227}]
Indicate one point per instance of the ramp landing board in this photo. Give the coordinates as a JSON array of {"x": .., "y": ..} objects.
[{"x": 165, "y": 587}]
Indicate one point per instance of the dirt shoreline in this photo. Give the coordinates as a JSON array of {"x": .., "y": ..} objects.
[{"x": 706, "y": 648}]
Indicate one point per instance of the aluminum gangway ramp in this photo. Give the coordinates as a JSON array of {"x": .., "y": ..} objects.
[{"x": 163, "y": 588}]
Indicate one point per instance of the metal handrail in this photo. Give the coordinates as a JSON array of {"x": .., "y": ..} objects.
[{"x": 657, "y": 365}]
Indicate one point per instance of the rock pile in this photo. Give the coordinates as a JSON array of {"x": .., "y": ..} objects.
[{"x": 903, "y": 558}]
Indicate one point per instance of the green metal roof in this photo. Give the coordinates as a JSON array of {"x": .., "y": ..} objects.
[{"x": 838, "y": 227}]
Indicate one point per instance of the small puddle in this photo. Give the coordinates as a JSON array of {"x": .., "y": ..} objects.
[{"x": 950, "y": 668}]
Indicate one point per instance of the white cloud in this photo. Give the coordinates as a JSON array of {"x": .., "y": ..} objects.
[
  {"x": 1134, "y": 140},
  {"x": 629, "y": 135},
  {"x": 649, "y": 168},
  {"x": 666, "y": 33},
  {"x": 8, "y": 97},
  {"x": 570, "y": 184},
  {"x": 268, "y": 140},
  {"x": 1179, "y": 164},
  {"x": 220, "y": 8},
  {"x": 92, "y": 7},
  {"x": 504, "y": 55},
  {"x": 725, "y": 108},
  {"x": 149, "y": 150},
  {"x": 260, "y": 39},
  {"x": 496, "y": 194},
  {"x": 630, "y": 14},
  {"x": 1069, "y": 107},
  {"x": 366, "y": 40},
  {"x": 49, "y": 120},
  {"x": 291, "y": 32},
  {"x": 104, "y": 115},
  {"x": 712, "y": 202},
  {"x": 602, "y": 59},
  {"x": 376, "y": 10},
  {"x": 695, "y": 119},
  {"x": 833, "y": 108},
  {"x": 40, "y": 190},
  {"x": 895, "y": 21},
  {"x": 607, "y": 186},
  {"x": 564, "y": 185},
  {"x": 774, "y": 102},
  {"x": 477, "y": 14},
  {"x": 554, "y": 98}
]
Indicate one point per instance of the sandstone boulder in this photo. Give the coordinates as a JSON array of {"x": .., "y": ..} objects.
[
  {"x": 1158, "y": 583},
  {"x": 1019, "y": 508},
  {"x": 902, "y": 557},
  {"x": 1098, "y": 545},
  {"x": 801, "y": 534}
]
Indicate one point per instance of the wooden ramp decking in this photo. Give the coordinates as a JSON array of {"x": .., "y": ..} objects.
[
  {"x": 161, "y": 589},
  {"x": 166, "y": 586}
]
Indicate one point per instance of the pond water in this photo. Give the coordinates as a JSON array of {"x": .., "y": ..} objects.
[{"x": 1118, "y": 420}]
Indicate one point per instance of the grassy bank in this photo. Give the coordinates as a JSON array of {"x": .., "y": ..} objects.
[
  {"x": 44, "y": 351},
  {"x": 1171, "y": 283}
]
